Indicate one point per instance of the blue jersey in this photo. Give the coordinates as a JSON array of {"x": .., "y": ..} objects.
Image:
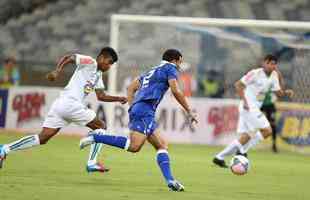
[
  {"x": 154, "y": 83},
  {"x": 153, "y": 86}
]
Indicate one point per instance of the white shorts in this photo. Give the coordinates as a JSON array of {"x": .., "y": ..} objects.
[
  {"x": 65, "y": 110},
  {"x": 251, "y": 121}
]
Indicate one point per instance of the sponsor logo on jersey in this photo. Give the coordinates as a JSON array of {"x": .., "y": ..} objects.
[
  {"x": 86, "y": 61},
  {"x": 89, "y": 87}
]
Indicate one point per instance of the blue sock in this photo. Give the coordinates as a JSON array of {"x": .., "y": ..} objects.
[
  {"x": 163, "y": 162},
  {"x": 113, "y": 140}
]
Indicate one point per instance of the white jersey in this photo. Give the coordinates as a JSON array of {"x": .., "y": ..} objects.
[
  {"x": 86, "y": 78},
  {"x": 257, "y": 85}
]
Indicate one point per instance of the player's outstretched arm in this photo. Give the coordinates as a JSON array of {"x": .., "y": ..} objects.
[
  {"x": 67, "y": 59},
  {"x": 179, "y": 96},
  {"x": 281, "y": 79},
  {"x": 283, "y": 92},
  {"x": 131, "y": 90},
  {"x": 102, "y": 96}
]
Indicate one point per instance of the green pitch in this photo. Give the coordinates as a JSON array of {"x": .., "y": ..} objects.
[{"x": 56, "y": 171}]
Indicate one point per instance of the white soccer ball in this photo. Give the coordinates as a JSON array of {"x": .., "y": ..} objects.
[{"x": 239, "y": 165}]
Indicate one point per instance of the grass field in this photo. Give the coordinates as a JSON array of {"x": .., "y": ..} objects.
[{"x": 56, "y": 171}]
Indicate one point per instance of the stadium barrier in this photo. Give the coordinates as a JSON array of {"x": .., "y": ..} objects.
[
  {"x": 24, "y": 108},
  {"x": 293, "y": 123}
]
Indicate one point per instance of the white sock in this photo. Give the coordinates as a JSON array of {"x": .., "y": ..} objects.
[
  {"x": 230, "y": 149},
  {"x": 95, "y": 149},
  {"x": 23, "y": 143},
  {"x": 93, "y": 153},
  {"x": 253, "y": 141}
]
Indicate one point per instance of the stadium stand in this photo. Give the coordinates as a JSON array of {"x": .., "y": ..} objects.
[
  {"x": 61, "y": 26},
  {"x": 49, "y": 29},
  {"x": 15, "y": 8}
]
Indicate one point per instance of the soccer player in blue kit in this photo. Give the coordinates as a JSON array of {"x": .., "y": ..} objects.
[{"x": 144, "y": 94}]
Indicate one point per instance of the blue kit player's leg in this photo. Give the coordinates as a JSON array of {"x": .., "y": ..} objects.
[
  {"x": 132, "y": 144},
  {"x": 142, "y": 127},
  {"x": 100, "y": 136},
  {"x": 163, "y": 161}
]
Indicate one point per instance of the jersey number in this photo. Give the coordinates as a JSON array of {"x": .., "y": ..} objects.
[{"x": 146, "y": 79}]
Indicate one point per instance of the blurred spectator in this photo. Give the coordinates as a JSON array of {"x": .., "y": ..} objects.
[
  {"x": 131, "y": 74},
  {"x": 9, "y": 73},
  {"x": 186, "y": 80},
  {"x": 212, "y": 85}
]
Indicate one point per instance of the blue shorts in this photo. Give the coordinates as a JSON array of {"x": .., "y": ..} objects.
[{"x": 142, "y": 118}]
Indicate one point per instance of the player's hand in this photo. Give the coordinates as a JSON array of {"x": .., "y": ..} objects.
[
  {"x": 246, "y": 105},
  {"x": 52, "y": 76},
  {"x": 123, "y": 100},
  {"x": 192, "y": 117},
  {"x": 289, "y": 93}
]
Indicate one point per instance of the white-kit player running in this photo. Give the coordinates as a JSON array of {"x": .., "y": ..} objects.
[
  {"x": 70, "y": 106},
  {"x": 252, "y": 89}
]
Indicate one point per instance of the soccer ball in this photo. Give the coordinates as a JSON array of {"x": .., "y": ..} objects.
[{"x": 239, "y": 165}]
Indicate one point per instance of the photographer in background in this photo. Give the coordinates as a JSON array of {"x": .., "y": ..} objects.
[{"x": 9, "y": 73}]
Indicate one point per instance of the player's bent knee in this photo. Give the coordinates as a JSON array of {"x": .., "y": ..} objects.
[
  {"x": 43, "y": 142},
  {"x": 162, "y": 146},
  {"x": 46, "y": 134},
  {"x": 43, "y": 139},
  {"x": 96, "y": 124},
  {"x": 266, "y": 132},
  {"x": 244, "y": 138},
  {"x": 134, "y": 148}
]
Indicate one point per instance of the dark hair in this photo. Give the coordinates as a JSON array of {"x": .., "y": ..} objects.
[
  {"x": 271, "y": 57},
  {"x": 109, "y": 51},
  {"x": 171, "y": 54},
  {"x": 10, "y": 59}
]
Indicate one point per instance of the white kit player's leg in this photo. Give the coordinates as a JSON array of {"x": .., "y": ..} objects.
[
  {"x": 33, "y": 140},
  {"x": 27, "y": 142},
  {"x": 51, "y": 126},
  {"x": 92, "y": 164},
  {"x": 257, "y": 121},
  {"x": 253, "y": 142},
  {"x": 234, "y": 146},
  {"x": 230, "y": 149},
  {"x": 93, "y": 153},
  {"x": 21, "y": 144},
  {"x": 87, "y": 117}
]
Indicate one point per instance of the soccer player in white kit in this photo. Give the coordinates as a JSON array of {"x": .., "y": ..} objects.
[
  {"x": 69, "y": 106},
  {"x": 252, "y": 89}
]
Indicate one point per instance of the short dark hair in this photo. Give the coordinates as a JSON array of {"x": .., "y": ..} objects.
[
  {"x": 10, "y": 59},
  {"x": 271, "y": 57},
  {"x": 171, "y": 54},
  {"x": 109, "y": 51}
]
